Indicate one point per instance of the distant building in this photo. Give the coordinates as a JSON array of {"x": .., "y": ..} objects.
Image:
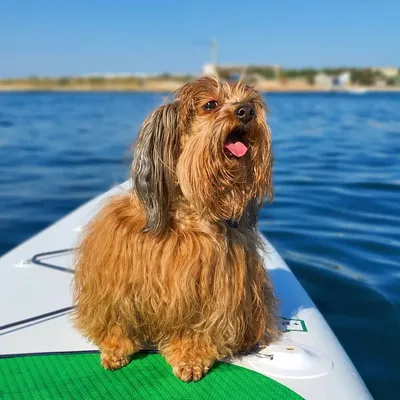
[
  {"x": 250, "y": 74},
  {"x": 380, "y": 82},
  {"x": 388, "y": 72},
  {"x": 210, "y": 70},
  {"x": 323, "y": 80},
  {"x": 327, "y": 81},
  {"x": 343, "y": 79}
]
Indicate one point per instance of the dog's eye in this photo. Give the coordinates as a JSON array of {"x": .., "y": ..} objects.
[{"x": 211, "y": 105}]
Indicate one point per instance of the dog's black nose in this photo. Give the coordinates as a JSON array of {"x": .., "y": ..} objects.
[{"x": 245, "y": 112}]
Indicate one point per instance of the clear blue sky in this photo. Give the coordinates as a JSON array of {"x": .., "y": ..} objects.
[{"x": 58, "y": 37}]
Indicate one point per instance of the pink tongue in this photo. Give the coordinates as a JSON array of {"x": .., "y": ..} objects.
[{"x": 238, "y": 149}]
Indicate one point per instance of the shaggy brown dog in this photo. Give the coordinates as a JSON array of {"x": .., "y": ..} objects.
[{"x": 175, "y": 263}]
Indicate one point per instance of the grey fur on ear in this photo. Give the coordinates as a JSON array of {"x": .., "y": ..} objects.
[{"x": 153, "y": 167}]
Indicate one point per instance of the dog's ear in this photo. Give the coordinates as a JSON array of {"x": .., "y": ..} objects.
[{"x": 153, "y": 167}]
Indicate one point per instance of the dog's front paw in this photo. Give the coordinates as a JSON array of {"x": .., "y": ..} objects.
[
  {"x": 111, "y": 361},
  {"x": 190, "y": 371}
]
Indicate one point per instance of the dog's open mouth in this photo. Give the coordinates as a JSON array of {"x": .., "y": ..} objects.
[{"x": 235, "y": 143}]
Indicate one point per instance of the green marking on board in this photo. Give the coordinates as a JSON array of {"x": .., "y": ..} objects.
[
  {"x": 80, "y": 376},
  {"x": 292, "y": 325}
]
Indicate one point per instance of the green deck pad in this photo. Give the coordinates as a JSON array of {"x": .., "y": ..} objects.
[{"x": 148, "y": 376}]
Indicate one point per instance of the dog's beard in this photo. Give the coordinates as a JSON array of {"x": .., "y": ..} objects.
[{"x": 223, "y": 166}]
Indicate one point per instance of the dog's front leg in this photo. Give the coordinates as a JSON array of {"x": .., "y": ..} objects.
[
  {"x": 190, "y": 356},
  {"x": 117, "y": 349}
]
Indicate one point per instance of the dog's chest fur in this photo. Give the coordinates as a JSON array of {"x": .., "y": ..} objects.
[{"x": 200, "y": 276}]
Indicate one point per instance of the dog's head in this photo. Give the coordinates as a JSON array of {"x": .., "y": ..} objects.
[{"x": 210, "y": 147}]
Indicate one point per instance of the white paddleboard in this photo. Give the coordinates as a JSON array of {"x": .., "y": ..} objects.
[{"x": 36, "y": 299}]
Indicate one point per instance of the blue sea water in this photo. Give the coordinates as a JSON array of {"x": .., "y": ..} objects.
[{"x": 335, "y": 218}]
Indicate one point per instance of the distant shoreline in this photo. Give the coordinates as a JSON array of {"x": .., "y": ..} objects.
[
  {"x": 107, "y": 90},
  {"x": 154, "y": 90},
  {"x": 168, "y": 86}
]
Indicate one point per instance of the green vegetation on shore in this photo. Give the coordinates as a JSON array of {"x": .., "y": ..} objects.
[
  {"x": 90, "y": 82},
  {"x": 358, "y": 76}
]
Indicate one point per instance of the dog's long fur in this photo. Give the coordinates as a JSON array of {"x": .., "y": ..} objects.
[{"x": 161, "y": 265}]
